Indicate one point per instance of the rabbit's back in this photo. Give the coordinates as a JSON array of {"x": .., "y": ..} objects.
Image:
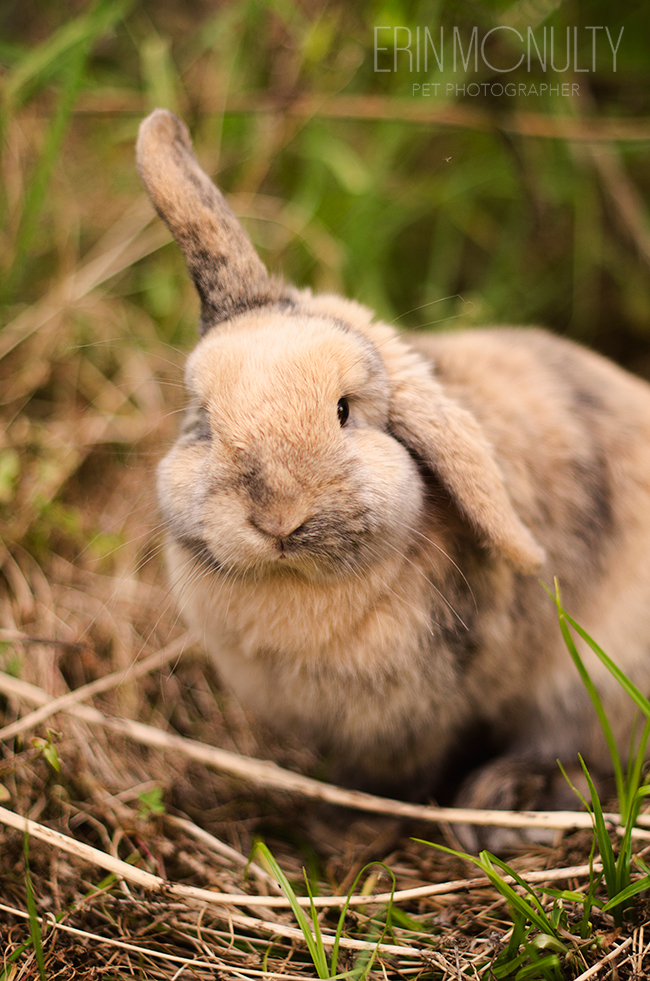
[{"x": 571, "y": 433}]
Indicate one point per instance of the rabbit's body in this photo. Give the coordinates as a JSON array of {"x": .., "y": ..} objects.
[{"x": 358, "y": 522}]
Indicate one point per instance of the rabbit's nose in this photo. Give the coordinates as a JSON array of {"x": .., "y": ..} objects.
[{"x": 280, "y": 526}]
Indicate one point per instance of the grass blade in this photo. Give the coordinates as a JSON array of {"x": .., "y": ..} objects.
[
  {"x": 604, "y": 842},
  {"x": 545, "y": 967},
  {"x": 591, "y": 690},
  {"x": 344, "y": 909},
  {"x": 533, "y": 912},
  {"x": 371, "y": 960},
  {"x": 73, "y": 42},
  {"x": 514, "y": 900},
  {"x": 625, "y": 894},
  {"x": 39, "y": 64},
  {"x": 635, "y": 777},
  {"x": 316, "y": 953},
  {"x": 639, "y": 700},
  {"x": 321, "y": 965},
  {"x": 43, "y": 171},
  {"x": 493, "y": 860},
  {"x": 34, "y": 922}
]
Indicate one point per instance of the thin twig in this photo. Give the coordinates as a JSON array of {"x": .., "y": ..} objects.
[
  {"x": 148, "y": 880},
  {"x": 109, "y": 681},
  {"x": 264, "y": 773},
  {"x": 379, "y": 107},
  {"x": 149, "y": 952},
  {"x": 613, "y": 954},
  {"x": 293, "y": 933}
]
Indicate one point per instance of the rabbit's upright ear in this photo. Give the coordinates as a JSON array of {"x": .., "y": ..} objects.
[
  {"x": 228, "y": 274},
  {"x": 448, "y": 440}
]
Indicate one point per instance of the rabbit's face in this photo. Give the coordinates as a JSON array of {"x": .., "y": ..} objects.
[
  {"x": 286, "y": 464},
  {"x": 290, "y": 460}
]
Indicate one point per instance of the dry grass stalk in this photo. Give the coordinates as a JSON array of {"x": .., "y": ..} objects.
[
  {"x": 107, "y": 259},
  {"x": 250, "y": 922},
  {"x": 152, "y": 663},
  {"x": 267, "y": 774},
  {"x": 371, "y": 107},
  {"x": 612, "y": 956},
  {"x": 148, "y": 951},
  {"x": 146, "y": 880}
]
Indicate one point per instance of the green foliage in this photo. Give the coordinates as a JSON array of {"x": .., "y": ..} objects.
[
  {"x": 631, "y": 786},
  {"x": 151, "y": 803},
  {"x": 507, "y": 227},
  {"x": 47, "y": 748},
  {"x": 535, "y": 940},
  {"x": 310, "y": 926},
  {"x": 64, "y": 54},
  {"x": 34, "y": 922}
]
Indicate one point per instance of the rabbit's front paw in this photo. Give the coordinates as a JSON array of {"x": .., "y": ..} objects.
[{"x": 516, "y": 784}]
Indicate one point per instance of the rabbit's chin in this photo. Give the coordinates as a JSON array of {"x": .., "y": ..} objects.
[{"x": 296, "y": 570}]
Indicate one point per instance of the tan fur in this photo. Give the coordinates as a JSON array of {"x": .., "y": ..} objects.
[{"x": 374, "y": 585}]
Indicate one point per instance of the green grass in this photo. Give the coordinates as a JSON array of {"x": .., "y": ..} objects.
[
  {"x": 631, "y": 785},
  {"x": 310, "y": 926},
  {"x": 36, "y": 935},
  {"x": 537, "y": 948},
  {"x": 534, "y": 945}
]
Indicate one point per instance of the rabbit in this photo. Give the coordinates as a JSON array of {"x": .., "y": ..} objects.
[{"x": 358, "y": 522}]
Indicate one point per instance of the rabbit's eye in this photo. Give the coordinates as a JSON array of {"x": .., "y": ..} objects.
[{"x": 343, "y": 410}]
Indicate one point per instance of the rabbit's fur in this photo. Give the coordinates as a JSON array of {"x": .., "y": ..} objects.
[{"x": 373, "y": 582}]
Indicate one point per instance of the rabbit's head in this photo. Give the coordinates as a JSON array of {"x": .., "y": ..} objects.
[{"x": 314, "y": 435}]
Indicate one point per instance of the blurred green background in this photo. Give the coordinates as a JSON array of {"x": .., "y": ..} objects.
[
  {"x": 479, "y": 220},
  {"x": 463, "y": 206}
]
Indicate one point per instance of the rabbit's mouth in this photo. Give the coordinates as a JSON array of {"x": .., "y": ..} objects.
[{"x": 318, "y": 550}]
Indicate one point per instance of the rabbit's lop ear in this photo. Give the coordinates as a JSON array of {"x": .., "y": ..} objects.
[
  {"x": 448, "y": 440},
  {"x": 228, "y": 274}
]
